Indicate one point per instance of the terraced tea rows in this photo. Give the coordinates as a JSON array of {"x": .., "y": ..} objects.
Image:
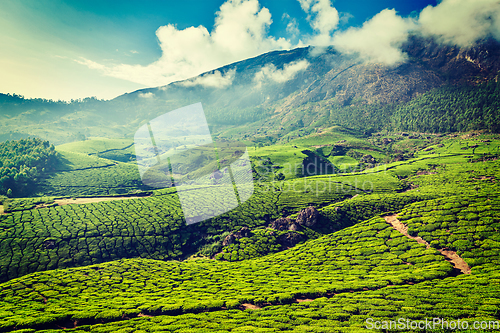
[
  {"x": 468, "y": 225},
  {"x": 59, "y": 237},
  {"x": 76, "y": 235},
  {"x": 364, "y": 270},
  {"x": 104, "y": 180},
  {"x": 468, "y": 298},
  {"x": 372, "y": 259},
  {"x": 370, "y": 255}
]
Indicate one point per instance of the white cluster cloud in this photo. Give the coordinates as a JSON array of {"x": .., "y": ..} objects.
[
  {"x": 214, "y": 80},
  {"x": 458, "y": 22},
  {"x": 323, "y": 18},
  {"x": 292, "y": 27},
  {"x": 146, "y": 95},
  {"x": 379, "y": 39},
  {"x": 461, "y": 22},
  {"x": 270, "y": 72},
  {"x": 240, "y": 32}
]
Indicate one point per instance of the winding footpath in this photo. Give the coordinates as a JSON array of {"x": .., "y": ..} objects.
[{"x": 449, "y": 255}]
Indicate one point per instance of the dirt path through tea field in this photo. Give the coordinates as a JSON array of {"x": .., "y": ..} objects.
[
  {"x": 62, "y": 202},
  {"x": 449, "y": 255},
  {"x": 78, "y": 201}
]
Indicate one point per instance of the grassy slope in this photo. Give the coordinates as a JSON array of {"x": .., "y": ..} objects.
[
  {"x": 120, "y": 150},
  {"x": 85, "y": 170},
  {"x": 373, "y": 271},
  {"x": 368, "y": 255},
  {"x": 95, "y": 145},
  {"x": 106, "y": 166},
  {"x": 153, "y": 228}
]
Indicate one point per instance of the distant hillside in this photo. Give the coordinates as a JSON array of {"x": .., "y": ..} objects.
[{"x": 280, "y": 93}]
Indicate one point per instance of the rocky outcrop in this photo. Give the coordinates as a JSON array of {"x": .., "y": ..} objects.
[
  {"x": 49, "y": 244},
  {"x": 369, "y": 159},
  {"x": 308, "y": 217},
  {"x": 290, "y": 239},
  {"x": 458, "y": 65},
  {"x": 284, "y": 223},
  {"x": 230, "y": 239}
]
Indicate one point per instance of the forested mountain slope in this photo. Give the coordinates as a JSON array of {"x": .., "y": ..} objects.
[{"x": 324, "y": 85}]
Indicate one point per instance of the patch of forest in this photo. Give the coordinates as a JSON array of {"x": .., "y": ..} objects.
[{"x": 22, "y": 162}]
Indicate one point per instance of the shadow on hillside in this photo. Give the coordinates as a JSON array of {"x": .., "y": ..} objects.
[{"x": 62, "y": 164}]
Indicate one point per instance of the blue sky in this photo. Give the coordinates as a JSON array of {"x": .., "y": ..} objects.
[{"x": 74, "y": 49}]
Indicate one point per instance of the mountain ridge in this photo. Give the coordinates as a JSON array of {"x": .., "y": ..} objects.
[{"x": 258, "y": 89}]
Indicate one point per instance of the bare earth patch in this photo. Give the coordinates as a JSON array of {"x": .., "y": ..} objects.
[
  {"x": 250, "y": 306},
  {"x": 449, "y": 255},
  {"x": 300, "y": 300},
  {"x": 79, "y": 201},
  {"x": 485, "y": 178},
  {"x": 396, "y": 224},
  {"x": 61, "y": 202},
  {"x": 426, "y": 172},
  {"x": 455, "y": 259}
]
